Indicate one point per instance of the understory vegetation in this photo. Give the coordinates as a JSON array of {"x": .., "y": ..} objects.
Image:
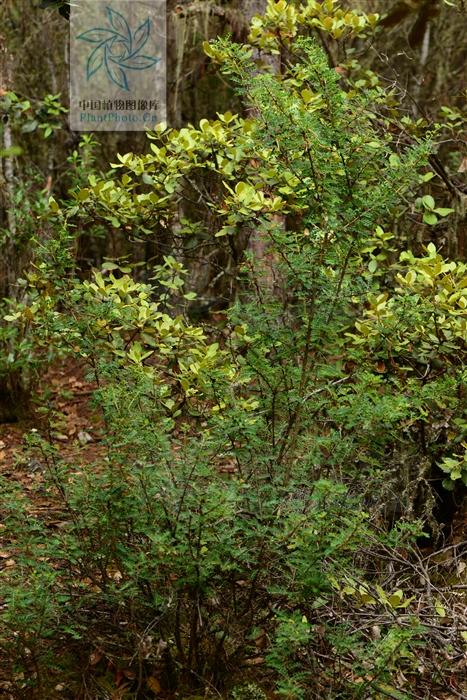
[{"x": 275, "y": 336}]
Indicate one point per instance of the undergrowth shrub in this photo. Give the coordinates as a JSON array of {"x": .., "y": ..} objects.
[{"x": 229, "y": 521}]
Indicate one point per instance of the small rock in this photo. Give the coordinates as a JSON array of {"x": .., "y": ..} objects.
[{"x": 84, "y": 437}]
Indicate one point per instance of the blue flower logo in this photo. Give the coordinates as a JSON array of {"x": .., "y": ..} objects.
[{"x": 118, "y": 49}]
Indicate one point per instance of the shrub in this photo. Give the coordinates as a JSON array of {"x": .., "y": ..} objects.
[{"x": 228, "y": 519}]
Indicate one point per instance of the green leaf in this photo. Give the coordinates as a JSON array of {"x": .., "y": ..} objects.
[
  {"x": 443, "y": 211},
  {"x": 428, "y": 201},
  {"x": 10, "y": 152},
  {"x": 395, "y": 599},
  {"x": 30, "y": 126},
  {"x": 430, "y": 219},
  {"x": 82, "y": 195},
  {"x": 448, "y": 485},
  {"x": 440, "y": 610},
  {"x": 53, "y": 205}
]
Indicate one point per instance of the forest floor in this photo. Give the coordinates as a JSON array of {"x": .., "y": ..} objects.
[{"x": 67, "y": 393}]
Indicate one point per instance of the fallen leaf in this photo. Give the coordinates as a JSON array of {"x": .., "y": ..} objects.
[
  {"x": 119, "y": 678},
  {"x": 95, "y": 657},
  {"x": 154, "y": 685},
  {"x": 256, "y": 661}
]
